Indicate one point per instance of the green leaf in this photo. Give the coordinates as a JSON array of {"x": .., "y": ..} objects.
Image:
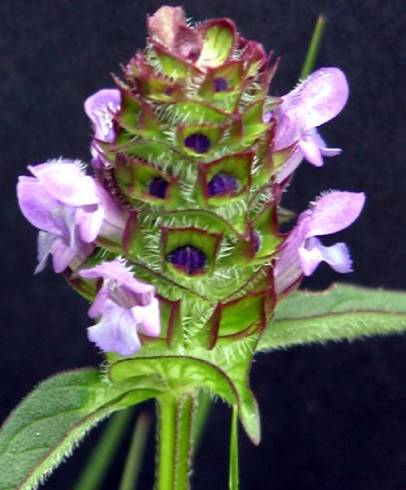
[
  {"x": 46, "y": 426},
  {"x": 234, "y": 478},
  {"x": 343, "y": 312}
]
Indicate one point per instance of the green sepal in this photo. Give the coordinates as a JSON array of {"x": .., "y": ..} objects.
[
  {"x": 151, "y": 84},
  {"x": 232, "y": 73},
  {"x": 155, "y": 152},
  {"x": 171, "y": 323},
  {"x": 208, "y": 243},
  {"x": 203, "y": 218},
  {"x": 248, "y": 127},
  {"x": 137, "y": 117},
  {"x": 237, "y": 166},
  {"x": 240, "y": 317},
  {"x": 254, "y": 57},
  {"x": 50, "y": 422},
  {"x": 285, "y": 215},
  {"x": 265, "y": 224},
  {"x": 194, "y": 112},
  {"x": 280, "y": 157},
  {"x": 218, "y": 42},
  {"x": 134, "y": 176},
  {"x": 173, "y": 66},
  {"x": 214, "y": 133},
  {"x": 252, "y": 121}
]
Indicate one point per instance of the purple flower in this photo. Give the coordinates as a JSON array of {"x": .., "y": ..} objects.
[
  {"x": 302, "y": 252},
  {"x": 70, "y": 209},
  {"x": 101, "y": 108},
  {"x": 312, "y": 103},
  {"x": 124, "y": 307}
]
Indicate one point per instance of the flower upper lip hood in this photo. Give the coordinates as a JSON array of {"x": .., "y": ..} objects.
[
  {"x": 301, "y": 252},
  {"x": 312, "y": 103},
  {"x": 100, "y": 108}
]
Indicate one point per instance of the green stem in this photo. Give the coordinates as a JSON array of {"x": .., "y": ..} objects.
[
  {"x": 234, "y": 477},
  {"x": 135, "y": 453},
  {"x": 175, "y": 419},
  {"x": 314, "y": 47},
  {"x": 184, "y": 442}
]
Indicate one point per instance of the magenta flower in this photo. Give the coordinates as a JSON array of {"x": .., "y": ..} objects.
[
  {"x": 70, "y": 209},
  {"x": 312, "y": 103},
  {"x": 302, "y": 252},
  {"x": 124, "y": 307},
  {"x": 101, "y": 108}
]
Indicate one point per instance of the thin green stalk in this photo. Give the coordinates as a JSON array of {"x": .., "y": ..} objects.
[
  {"x": 136, "y": 452},
  {"x": 234, "y": 477},
  {"x": 103, "y": 454},
  {"x": 175, "y": 421},
  {"x": 202, "y": 412},
  {"x": 314, "y": 47}
]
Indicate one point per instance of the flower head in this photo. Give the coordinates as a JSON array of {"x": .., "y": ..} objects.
[
  {"x": 312, "y": 103},
  {"x": 124, "y": 307},
  {"x": 302, "y": 252},
  {"x": 69, "y": 208}
]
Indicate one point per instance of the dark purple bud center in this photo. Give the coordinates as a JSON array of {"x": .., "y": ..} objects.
[
  {"x": 157, "y": 187},
  {"x": 223, "y": 185},
  {"x": 188, "y": 258},
  {"x": 220, "y": 84},
  {"x": 256, "y": 241},
  {"x": 198, "y": 142}
]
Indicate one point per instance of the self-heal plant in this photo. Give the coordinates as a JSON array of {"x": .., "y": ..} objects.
[{"x": 174, "y": 236}]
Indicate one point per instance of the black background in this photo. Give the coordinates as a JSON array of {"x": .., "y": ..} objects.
[{"x": 334, "y": 417}]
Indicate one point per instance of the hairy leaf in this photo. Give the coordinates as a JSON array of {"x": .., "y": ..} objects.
[
  {"x": 343, "y": 312},
  {"x": 47, "y": 425}
]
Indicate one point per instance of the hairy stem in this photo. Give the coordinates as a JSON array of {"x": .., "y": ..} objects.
[{"x": 175, "y": 418}]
